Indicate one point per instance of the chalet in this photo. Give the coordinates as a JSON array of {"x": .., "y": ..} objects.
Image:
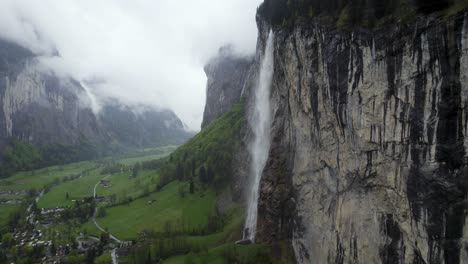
[{"x": 105, "y": 183}]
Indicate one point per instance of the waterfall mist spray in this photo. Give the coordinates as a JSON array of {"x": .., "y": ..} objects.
[{"x": 261, "y": 125}]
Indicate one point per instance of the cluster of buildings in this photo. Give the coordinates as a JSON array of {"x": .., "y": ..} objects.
[
  {"x": 30, "y": 238},
  {"x": 12, "y": 192},
  {"x": 46, "y": 216}
]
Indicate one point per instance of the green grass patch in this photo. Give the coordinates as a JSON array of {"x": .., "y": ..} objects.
[
  {"x": 11, "y": 196},
  {"x": 124, "y": 186},
  {"x": 37, "y": 179},
  {"x": 77, "y": 189},
  {"x": 133, "y": 160},
  {"x": 232, "y": 232},
  {"x": 90, "y": 229},
  {"x": 191, "y": 211},
  {"x": 105, "y": 258}
]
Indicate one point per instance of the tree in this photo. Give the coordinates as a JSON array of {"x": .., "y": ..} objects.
[
  {"x": 104, "y": 239},
  {"x": 7, "y": 240},
  {"x": 202, "y": 174},
  {"x": 101, "y": 212},
  {"x": 181, "y": 190},
  {"x": 179, "y": 172},
  {"x": 90, "y": 255},
  {"x": 210, "y": 174},
  {"x": 34, "y": 207},
  {"x": 113, "y": 198},
  {"x": 192, "y": 187},
  {"x": 193, "y": 168},
  {"x": 136, "y": 169},
  {"x": 3, "y": 256},
  {"x": 148, "y": 259},
  {"x": 53, "y": 250},
  {"x": 146, "y": 191}
]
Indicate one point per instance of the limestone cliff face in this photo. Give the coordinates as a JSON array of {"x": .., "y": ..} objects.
[
  {"x": 368, "y": 162},
  {"x": 40, "y": 108},
  {"x": 227, "y": 75}
]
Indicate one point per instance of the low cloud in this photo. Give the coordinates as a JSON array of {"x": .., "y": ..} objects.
[{"x": 147, "y": 51}]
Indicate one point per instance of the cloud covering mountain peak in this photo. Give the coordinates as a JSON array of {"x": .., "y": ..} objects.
[{"x": 148, "y": 52}]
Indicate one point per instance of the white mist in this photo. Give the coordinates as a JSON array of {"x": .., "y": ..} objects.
[{"x": 261, "y": 125}]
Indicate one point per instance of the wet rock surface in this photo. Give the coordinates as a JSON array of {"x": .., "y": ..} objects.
[{"x": 369, "y": 143}]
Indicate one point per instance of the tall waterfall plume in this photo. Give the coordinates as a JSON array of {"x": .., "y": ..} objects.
[{"x": 261, "y": 125}]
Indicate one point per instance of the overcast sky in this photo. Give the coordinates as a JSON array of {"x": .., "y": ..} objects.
[{"x": 147, "y": 51}]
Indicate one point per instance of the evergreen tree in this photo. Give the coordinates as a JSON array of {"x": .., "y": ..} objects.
[
  {"x": 136, "y": 169},
  {"x": 192, "y": 187},
  {"x": 53, "y": 250},
  {"x": 90, "y": 255},
  {"x": 202, "y": 174},
  {"x": 148, "y": 259},
  {"x": 193, "y": 168},
  {"x": 179, "y": 172},
  {"x": 210, "y": 174}
]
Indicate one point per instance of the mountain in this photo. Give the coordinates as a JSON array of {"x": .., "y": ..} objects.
[
  {"x": 227, "y": 74},
  {"x": 52, "y": 114},
  {"x": 368, "y": 156},
  {"x": 368, "y": 159},
  {"x": 142, "y": 127},
  {"x": 37, "y": 106}
]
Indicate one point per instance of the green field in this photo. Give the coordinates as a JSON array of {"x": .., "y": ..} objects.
[
  {"x": 174, "y": 210},
  {"x": 37, "y": 179},
  {"x": 133, "y": 160},
  {"x": 192, "y": 211},
  {"x": 76, "y": 189},
  {"x": 124, "y": 186},
  {"x": 60, "y": 181}
]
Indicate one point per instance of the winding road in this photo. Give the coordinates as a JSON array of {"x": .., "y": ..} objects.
[{"x": 113, "y": 252}]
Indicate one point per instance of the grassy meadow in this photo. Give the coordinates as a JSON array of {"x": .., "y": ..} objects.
[{"x": 169, "y": 208}]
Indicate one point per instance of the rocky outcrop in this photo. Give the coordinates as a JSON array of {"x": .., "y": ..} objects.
[
  {"x": 227, "y": 74},
  {"x": 369, "y": 143}
]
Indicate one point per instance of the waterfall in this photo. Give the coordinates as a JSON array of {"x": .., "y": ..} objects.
[
  {"x": 261, "y": 125},
  {"x": 93, "y": 103}
]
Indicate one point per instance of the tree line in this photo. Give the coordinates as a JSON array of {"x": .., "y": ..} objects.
[{"x": 360, "y": 12}]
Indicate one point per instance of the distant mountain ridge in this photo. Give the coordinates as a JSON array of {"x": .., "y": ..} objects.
[{"x": 41, "y": 109}]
